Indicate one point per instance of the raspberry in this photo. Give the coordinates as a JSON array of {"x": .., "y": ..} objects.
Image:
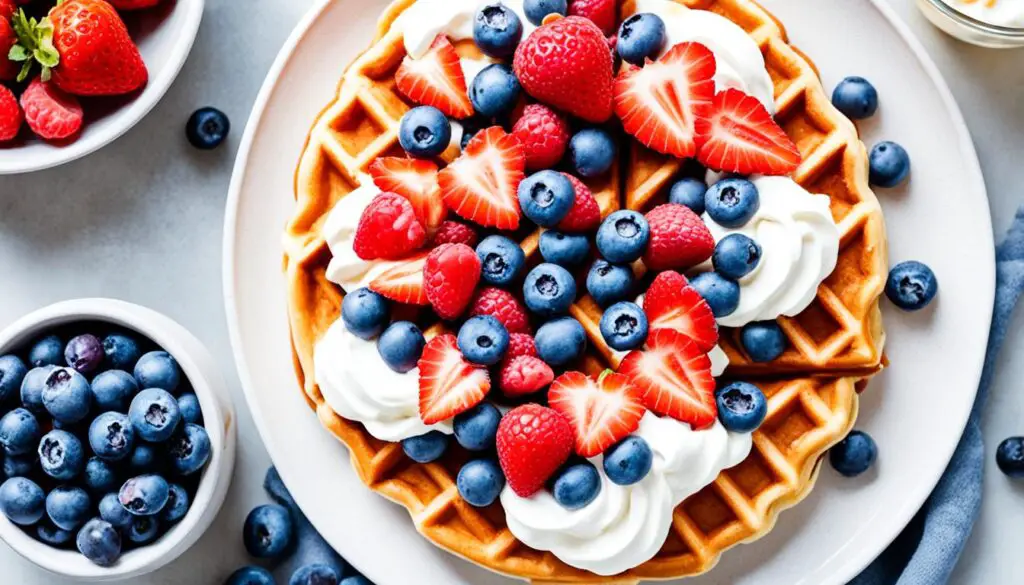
[
  {"x": 525, "y": 375},
  {"x": 520, "y": 344},
  {"x": 544, "y": 134},
  {"x": 10, "y": 115},
  {"x": 454, "y": 232},
  {"x": 49, "y": 112},
  {"x": 600, "y": 12},
  {"x": 533, "y": 442},
  {"x": 504, "y": 307},
  {"x": 450, "y": 276},
  {"x": 679, "y": 238},
  {"x": 388, "y": 229},
  {"x": 585, "y": 214}
]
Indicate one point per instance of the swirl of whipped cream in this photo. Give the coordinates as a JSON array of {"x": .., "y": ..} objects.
[
  {"x": 998, "y": 12},
  {"x": 627, "y": 525},
  {"x": 800, "y": 247},
  {"x": 359, "y": 386},
  {"x": 740, "y": 64}
]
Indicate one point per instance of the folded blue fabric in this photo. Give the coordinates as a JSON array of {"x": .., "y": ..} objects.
[{"x": 928, "y": 549}]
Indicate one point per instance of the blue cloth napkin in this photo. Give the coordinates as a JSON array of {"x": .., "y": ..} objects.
[{"x": 928, "y": 549}]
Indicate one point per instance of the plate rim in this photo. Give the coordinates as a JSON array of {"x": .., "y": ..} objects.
[{"x": 857, "y": 560}]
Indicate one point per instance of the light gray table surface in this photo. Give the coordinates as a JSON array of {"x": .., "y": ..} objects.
[{"x": 141, "y": 220}]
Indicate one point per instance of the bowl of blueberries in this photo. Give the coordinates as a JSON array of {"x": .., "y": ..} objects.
[{"x": 117, "y": 436}]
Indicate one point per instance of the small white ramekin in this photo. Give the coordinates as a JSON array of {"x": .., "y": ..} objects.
[
  {"x": 968, "y": 29},
  {"x": 218, "y": 415}
]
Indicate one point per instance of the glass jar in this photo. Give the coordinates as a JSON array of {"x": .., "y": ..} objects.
[{"x": 969, "y": 29}]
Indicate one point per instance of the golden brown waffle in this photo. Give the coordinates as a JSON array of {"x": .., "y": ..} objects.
[{"x": 808, "y": 412}]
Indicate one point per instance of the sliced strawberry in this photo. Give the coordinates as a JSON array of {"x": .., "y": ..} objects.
[
  {"x": 671, "y": 303},
  {"x": 449, "y": 385},
  {"x": 665, "y": 103},
  {"x": 388, "y": 229},
  {"x": 416, "y": 180},
  {"x": 741, "y": 137},
  {"x": 601, "y": 412},
  {"x": 481, "y": 184},
  {"x": 675, "y": 377},
  {"x": 450, "y": 276},
  {"x": 404, "y": 283},
  {"x": 436, "y": 79}
]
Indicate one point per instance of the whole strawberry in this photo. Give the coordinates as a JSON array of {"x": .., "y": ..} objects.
[
  {"x": 7, "y": 9},
  {"x": 567, "y": 64},
  {"x": 533, "y": 442},
  {"x": 10, "y": 115},
  {"x": 8, "y": 69},
  {"x": 679, "y": 238},
  {"x": 133, "y": 4},
  {"x": 544, "y": 134}
]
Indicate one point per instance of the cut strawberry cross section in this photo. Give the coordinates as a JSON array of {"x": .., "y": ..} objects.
[
  {"x": 481, "y": 184},
  {"x": 436, "y": 79},
  {"x": 671, "y": 303},
  {"x": 403, "y": 283},
  {"x": 741, "y": 137},
  {"x": 449, "y": 385},
  {"x": 601, "y": 412},
  {"x": 416, "y": 180}
]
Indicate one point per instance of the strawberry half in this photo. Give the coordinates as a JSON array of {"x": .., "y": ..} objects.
[
  {"x": 436, "y": 79},
  {"x": 664, "y": 104},
  {"x": 675, "y": 378},
  {"x": 404, "y": 283},
  {"x": 671, "y": 303},
  {"x": 601, "y": 412},
  {"x": 416, "y": 180},
  {"x": 481, "y": 184},
  {"x": 741, "y": 137},
  {"x": 449, "y": 385}
]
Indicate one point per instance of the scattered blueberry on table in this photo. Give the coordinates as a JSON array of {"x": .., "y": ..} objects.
[
  {"x": 911, "y": 285},
  {"x": 207, "y": 128},
  {"x": 1010, "y": 457},
  {"x": 855, "y": 97},
  {"x": 889, "y": 164},
  {"x": 854, "y": 455}
]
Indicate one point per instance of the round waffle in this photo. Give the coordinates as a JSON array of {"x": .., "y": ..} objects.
[{"x": 833, "y": 345}]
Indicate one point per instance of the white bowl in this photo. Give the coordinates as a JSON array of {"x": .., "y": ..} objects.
[
  {"x": 219, "y": 419},
  {"x": 164, "y": 35}
]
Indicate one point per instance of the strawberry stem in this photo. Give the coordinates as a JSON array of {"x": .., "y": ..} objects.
[
  {"x": 35, "y": 45},
  {"x": 604, "y": 374}
]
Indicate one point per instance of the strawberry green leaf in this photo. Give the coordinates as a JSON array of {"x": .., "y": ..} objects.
[{"x": 35, "y": 45}]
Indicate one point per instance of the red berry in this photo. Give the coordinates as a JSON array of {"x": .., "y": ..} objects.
[
  {"x": 97, "y": 55},
  {"x": 585, "y": 214},
  {"x": 481, "y": 185},
  {"x": 10, "y": 115},
  {"x": 454, "y": 232},
  {"x": 603, "y": 13},
  {"x": 8, "y": 69},
  {"x": 416, "y": 180},
  {"x": 133, "y": 4},
  {"x": 671, "y": 303},
  {"x": 544, "y": 134},
  {"x": 533, "y": 442},
  {"x": 7, "y": 9},
  {"x": 449, "y": 385},
  {"x": 602, "y": 412},
  {"x": 403, "y": 283},
  {"x": 679, "y": 238},
  {"x": 388, "y": 229},
  {"x": 436, "y": 79},
  {"x": 525, "y": 375},
  {"x": 740, "y": 136},
  {"x": 51, "y": 113},
  {"x": 520, "y": 344},
  {"x": 504, "y": 307},
  {"x": 450, "y": 277}
]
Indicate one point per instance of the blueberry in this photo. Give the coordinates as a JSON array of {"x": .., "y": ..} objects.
[
  {"x": 12, "y": 373},
  {"x": 689, "y": 192},
  {"x": 68, "y": 507},
  {"x": 426, "y": 448},
  {"x": 495, "y": 91},
  {"x": 177, "y": 504},
  {"x": 100, "y": 476},
  {"x": 549, "y": 290},
  {"x": 84, "y": 353},
  {"x": 889, "y": 164},
  {"x": 48, "y": 351},
  {"x": 536, "y": 10},
  {"x": 624, "y": 326},
  {"x": 121, "y": 351},
  {"x": 19, "y": 432},
  {"x": 18, "y": 465},
  {"x": 50, "y": 534},
  {"x": 112, "y": 511},
  {"x": 154, "y": 415},
  {"x": 32, "y": 388},
  {"x": 364, "y": 313},
  {"x": 609, "y": 283},
  {"x": 721, "y": 293},
  {"x": 191, "y": 411},
  {"x": 628, "y": 461},
  {"x": 143, "y": 529},
  {"x": 501, "y": 259},
  {"x": 480, "y": 482},
  {"x": 763, "y": 341},
  {"x": 855, "y": 97},
  {"x": 1010, "y": 457},
  {"x": 99, "y": 542},
  {"x": 741, "y": 407},
  {"x": 477, "y": 428},
  {"x": 67, "y": 395},
  {"x": 401, "y": 345},
  {"x": 158, "y": 369},
  {"x": 641, "y": 36},
  {"x": 114, "y": 390},
  {"x": 546, "y": 197},
  {"x": 561, "y": 341},
  {"x": 315, "y": 574},
  {"x": 623, "y": 236},
  {"x": 144, "y": 459},
  {"x": 61, "y": 455},
  {"x": 144, "y": 495},
  {"x": 268, "y": 532},
  {"x": 577, "y": 485},
  {"x": 564, "y": 249},
  {"x": 356, "y": 580},
  {"x": 424, "y": 132},
  {"x": 207, "y": 128},
  {"x": 854, "y": 455},
  {"x": 592, "y": 152},
  {"x": 251, "y": 575},
  {"x": 736, "y": 256},
  {"x": 189, "y": 449},
  {"x": 911, "y": 285},
  {"x": 22, "y": 501},
  {"x": 111, "y": 436},
  {"x": 732, "y": 202},
  {"x": 497, "y": 30},
  {"x": 483, "y": 340}
]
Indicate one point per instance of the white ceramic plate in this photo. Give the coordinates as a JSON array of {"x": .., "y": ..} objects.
[
  {"x": 916, "y": 410},
  {"x": 164, "y": 35}
]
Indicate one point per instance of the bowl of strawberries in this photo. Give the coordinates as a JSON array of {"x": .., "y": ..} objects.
[{"x": 77, "y": 74}]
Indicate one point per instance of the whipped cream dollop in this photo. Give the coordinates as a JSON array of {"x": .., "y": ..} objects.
[
  {"x": 359, "y": 386},
  {"x": 740, "y": 64},
  {"x": 1009, "y": 13},
  {"x": 347, "y": 269},
  {"x": 799, "y": 248},
  {"x": 627, "y": 525}
]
